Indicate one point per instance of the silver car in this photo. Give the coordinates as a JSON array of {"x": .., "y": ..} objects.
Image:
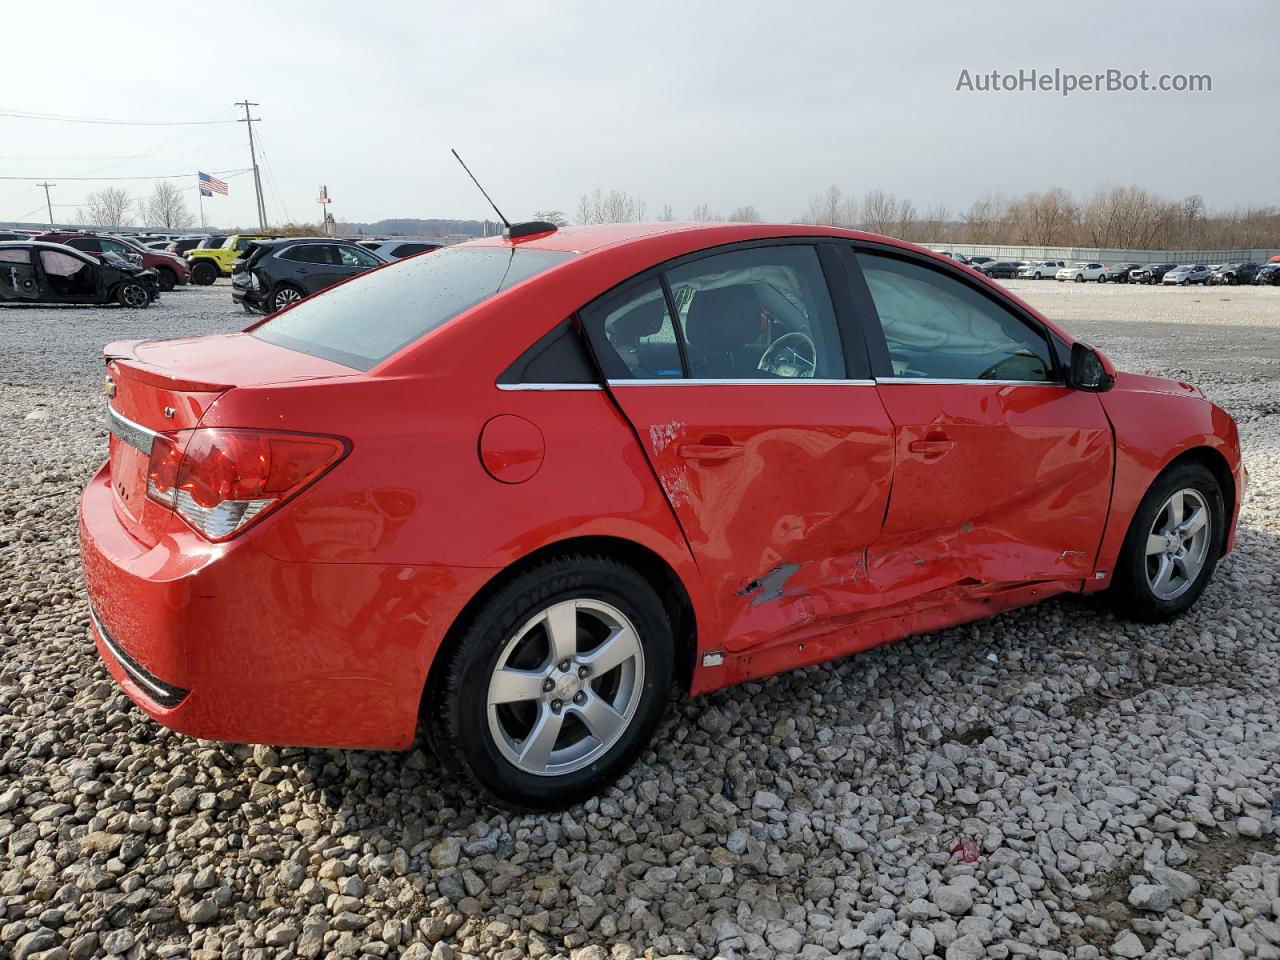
[{"x": 1188, "y": 273}]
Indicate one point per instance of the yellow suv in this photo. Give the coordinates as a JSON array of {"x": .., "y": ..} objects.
[{"x": 210, "y": 263}]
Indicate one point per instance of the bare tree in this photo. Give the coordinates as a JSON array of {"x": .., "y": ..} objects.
[
  {"x": 702, "y": 214},
  {"x": 668, "y": 215},
  {"x": 935, "y": 224},
  {"x": 616, "y": 206},
  {"x": 106, "y": 208},
  {"x": 746, "y": 214},
  {"x": 986, "y": 220},
  {"x": 555, "y": 217},
  {"x": 166, "y": 208},
  {"x": 879, "y": 212}
]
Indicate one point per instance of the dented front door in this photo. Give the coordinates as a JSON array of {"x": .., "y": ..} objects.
[
  {"x": 994, "y": 485},
  {"x": 779, "y": 486}
]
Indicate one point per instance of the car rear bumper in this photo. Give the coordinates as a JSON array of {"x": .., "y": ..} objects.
[
  {"x": 245, "y": 296},
  {"x": 224, "y": 642}
]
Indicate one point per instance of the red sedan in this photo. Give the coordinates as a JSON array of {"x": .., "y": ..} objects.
[{"x": 519, "y": 489}]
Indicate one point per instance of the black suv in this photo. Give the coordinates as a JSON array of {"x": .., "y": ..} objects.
[
  {"x": 1151, "y": 273},
  {"x": 274, "y": 274},
  {"x": 1233, "y": 273},
  {"x": 1000, "y": 269},
  {"x": 1268, "y": 275},
  {"x": 1118, "y": 273}
]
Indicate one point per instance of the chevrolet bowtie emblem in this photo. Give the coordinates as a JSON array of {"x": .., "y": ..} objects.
[{"x": 109, "y": 388}]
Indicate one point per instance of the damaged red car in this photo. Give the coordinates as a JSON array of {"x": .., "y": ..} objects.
[{"x": 515, "y": 492}]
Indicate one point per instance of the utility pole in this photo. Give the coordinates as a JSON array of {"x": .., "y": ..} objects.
[
  {"x": 48, "y": 202},
  {"x": 257, "y": 179}
]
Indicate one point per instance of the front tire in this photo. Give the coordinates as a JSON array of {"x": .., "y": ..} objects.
[
  {"x": 1172, "y": 547},
  {"x": 133, "y": 295},
  {"x": 203, "y": 273},
  {"x": 555, "y": 685},
  {"x": 168, "y": 279},
  {"x": 1079, "y": 278}
]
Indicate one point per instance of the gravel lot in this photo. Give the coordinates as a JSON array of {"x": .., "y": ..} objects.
[{"x": 1053, "y": 783}]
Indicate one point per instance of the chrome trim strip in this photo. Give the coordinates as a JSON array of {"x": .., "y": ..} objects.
[
  {"x": 134, "y": 434},
  {"x": 163, "y": 694},
  {"x": 976, "y": 383},
  {"x": 549, "y": 386},
  {"x": 779, "y": 382}
]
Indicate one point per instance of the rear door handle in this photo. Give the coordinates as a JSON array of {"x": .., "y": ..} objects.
[
  {"x": 930, "y": 447},
  {"x": 712, "y": 448}
]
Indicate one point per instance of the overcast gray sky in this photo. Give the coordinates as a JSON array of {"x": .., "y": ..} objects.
[{"x": 723, "y": 103}]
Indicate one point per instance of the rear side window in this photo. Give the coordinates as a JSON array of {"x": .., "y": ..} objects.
[
  {"x": 310, "y": 253},
  {"x": 364, "y": 322}
]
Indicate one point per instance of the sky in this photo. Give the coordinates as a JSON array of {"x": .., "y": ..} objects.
[{"x": 717, "y": 102}]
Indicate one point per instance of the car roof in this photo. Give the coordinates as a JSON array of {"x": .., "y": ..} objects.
[{"x": 281, "y": 241}]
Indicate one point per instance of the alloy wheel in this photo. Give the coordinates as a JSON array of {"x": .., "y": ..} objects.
[
  {"x": 1178, "y": 544},
  {"x": 286, "y": 297},
  {"x": 134, "y": 296},
  {"x": 565, "y": 687}
]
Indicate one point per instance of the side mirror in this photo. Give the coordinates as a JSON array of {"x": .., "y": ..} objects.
[{"x": 1088, "y": 370}]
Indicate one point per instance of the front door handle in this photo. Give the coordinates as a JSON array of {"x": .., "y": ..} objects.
[
  {"x": 931, "y": 448},
  {"x": 714, "y": 447}
]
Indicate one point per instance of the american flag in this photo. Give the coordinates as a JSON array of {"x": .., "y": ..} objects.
[{"x": 211, "y": 185}]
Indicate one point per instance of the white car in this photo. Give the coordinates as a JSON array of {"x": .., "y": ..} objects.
[
  {"x": 1080, "y": 272},
  {"x": 1041, "y": 269}
]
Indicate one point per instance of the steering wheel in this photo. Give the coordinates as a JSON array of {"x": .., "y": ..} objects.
[{"x": 786, "y": 356}]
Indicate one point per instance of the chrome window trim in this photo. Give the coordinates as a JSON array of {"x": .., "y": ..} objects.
[
  {"x": 984, "y": 383},
  {"x": 781, "y": 381},
  {"x": 134, "y": 434},
  {"x": 547, "y": 387}
]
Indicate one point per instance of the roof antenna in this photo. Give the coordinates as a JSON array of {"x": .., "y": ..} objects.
[{"x": 529, "y": 228}]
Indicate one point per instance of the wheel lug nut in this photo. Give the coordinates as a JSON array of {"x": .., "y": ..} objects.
[
  {"x": 564, "y": 666},
  {"x": 556, "y": 706},
  {"x": 584, "y": 671},
  {"x": 579, "y": 698},
  {"x": 548, "y": 685}
]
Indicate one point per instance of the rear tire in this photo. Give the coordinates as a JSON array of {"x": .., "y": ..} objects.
[
  {"x": 503, "y": 682},
  {"x": 203, "y": 273},
  {"x": 1155, "y": 582},
  {"x": 168, "y": 279},
  {"x": 285, "y": 295}
]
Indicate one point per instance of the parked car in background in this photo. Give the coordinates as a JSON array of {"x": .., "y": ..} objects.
[
  {"x": 171, "y": 271},
  {"x": 999, "y": 269},
  {"x": 978, "y": 261},
  {"x": 1118, "y": 272},
  {"x": 1188, "y": 273},
  {"x": 1150, "y": 273},
  {"x": 957, "y": 257},
  {"x": 8, "y": 235},
  {"x": 1230, "y": 274},
  {"x": 35, "y": 271},
  {"x": 1080, "y": 272},
  {"x": 425, "y": 497},
  {"x": 1041, "y": 269},
  {"x": 183, "y": 244},
  {"x": 274, "y": 274},
  {"x": 399, "y": 249},
  {"x": 1268, "y": 274},
  {"x": 211, "y": 262}
]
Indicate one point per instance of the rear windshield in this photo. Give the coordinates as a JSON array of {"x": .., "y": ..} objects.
[{"x": 361, "y": 323}]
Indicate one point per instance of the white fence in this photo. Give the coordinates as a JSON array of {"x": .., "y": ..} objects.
[{"x": 1094, "y": 255}]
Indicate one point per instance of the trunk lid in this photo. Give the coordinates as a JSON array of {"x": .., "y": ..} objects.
[{"x": 162, "y": 386}]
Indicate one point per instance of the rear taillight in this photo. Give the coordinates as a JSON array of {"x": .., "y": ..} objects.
[{"x": 220, "y": 481}]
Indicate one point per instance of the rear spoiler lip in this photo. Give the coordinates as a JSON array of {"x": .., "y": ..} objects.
[{"x": 123, "y": 353}]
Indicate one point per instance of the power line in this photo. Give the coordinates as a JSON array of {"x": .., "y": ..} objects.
[
  {"x": 166, "y": 176},
  {"x": 126, "y": 156},
  {"x": 25, "y": 115}
]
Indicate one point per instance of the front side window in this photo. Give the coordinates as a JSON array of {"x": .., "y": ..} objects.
[
  {"x": 355, "y": 257},
  {"x": 59, "y": 264},
  {"x": 85, "y": 243},
  {"x": 364, "y": 322},
  {"x": 20, "y": 255},
  {"x": 761, "y": 313},
  {"x": 937, "y": 327}
]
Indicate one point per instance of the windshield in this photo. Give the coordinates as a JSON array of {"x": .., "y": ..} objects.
[{"x": 361, "y": 323}]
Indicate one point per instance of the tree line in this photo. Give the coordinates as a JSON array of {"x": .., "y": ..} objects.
[
  {"x": 1111, "y": 218},
  {"x": 116, "y": 207}
]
